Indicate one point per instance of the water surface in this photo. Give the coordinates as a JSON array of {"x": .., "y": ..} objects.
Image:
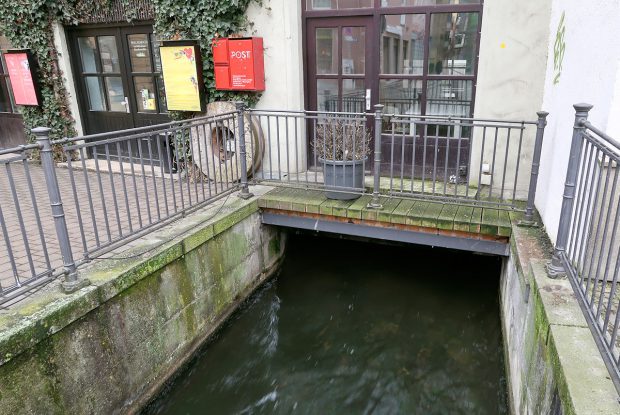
[{"x": 356, "y": 328}]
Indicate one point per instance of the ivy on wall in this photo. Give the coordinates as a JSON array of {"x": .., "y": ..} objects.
[{"x": 29, "y": 24}]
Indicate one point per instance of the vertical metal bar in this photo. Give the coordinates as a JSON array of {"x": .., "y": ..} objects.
[
  {"x": 186, "y": 165},
  {"x": 295, "y": 118},
  {"x": 459, "y": 133},
  {"x": 288, "y": 150},
  {"x": 20, "y": 219},
  {"x": 179, "y": 178},
  {"x": 90, "y": 197},
  {"x": 518, "y": 162},
  {"x": 120, "y": 162},
  {"x": 245, "y": 191},
  {"x": 556, "y": 267},
  {"x": 484, "y": 138},
  {"x": 111, "y": 176},
  {"x": 78, "y": 208},
  {"x": 72, "y": 282},
  {"x": 573, "y": 247},
  {"x": 610, "y": 242},
  {"x": 598, "y": 229},
  {"x": 591, "y": 214},
  {"x": 412, "y": 153},
  {"x": 161, "y": 170},
  {"x": 375, "y": 202},
  {"x": 314, "y": 151},
  {"x": 492, "y": 169},
  {"x": 37, "y": 217},
  {"x": 424, "y": 157},
  {"x": 391, "y": 188},
  {"x": 435, "y": 154},
  {"x": 205, "y": 169},
  {"x": 169, "y": 156},
  {"x": 531, "y": 194},
  {"x": 278, "y": 142},
  {"x": 9, "y": 250},
  {"x": 198, "y": 162},
  {"x": 501, "y": 193},
  {"x": 133, "y": 179},
  {"x": 154, "y": 180},
  {"x": 447, "y": 160},
  {"x": 402, "y": 159}
]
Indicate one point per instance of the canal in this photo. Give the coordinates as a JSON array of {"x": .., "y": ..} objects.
[{"x": 356, "y": 327}]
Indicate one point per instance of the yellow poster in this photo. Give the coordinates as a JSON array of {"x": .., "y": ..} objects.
[{"x": 180, "y": 77}]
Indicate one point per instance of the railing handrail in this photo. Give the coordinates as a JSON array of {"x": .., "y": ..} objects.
[
  {"x": 19, "y": 149},
  {"x": 147, "y": 129},
  {"x": 588, "y": 125}
]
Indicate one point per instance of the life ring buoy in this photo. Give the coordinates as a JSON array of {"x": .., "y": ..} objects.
[{"x": 216, "y": 149}]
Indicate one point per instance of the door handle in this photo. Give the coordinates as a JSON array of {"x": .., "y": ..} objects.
[{"x": 368, "y": 99}]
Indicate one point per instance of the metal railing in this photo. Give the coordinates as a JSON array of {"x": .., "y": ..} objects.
[
  {"x": 588, "y": 240},
  {"x": 114, "y": 188},
  {"x": 452, "y": 159}
]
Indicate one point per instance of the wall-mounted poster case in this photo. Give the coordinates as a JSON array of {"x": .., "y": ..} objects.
[
  {"x": 22, "y": 69},
  {"x": 182, "y": 71}
]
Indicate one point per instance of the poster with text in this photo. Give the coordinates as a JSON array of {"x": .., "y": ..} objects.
[
  {"x": 181, "y": 78},
  {"x": 22, "y": 81}
]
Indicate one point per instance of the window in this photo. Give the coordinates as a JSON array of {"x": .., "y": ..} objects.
[{"x": 338, "y": 4}]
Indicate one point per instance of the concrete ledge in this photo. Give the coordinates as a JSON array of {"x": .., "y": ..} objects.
[
  {"x": 552, "y": 360},
  {"x": 27, "y": 323}
]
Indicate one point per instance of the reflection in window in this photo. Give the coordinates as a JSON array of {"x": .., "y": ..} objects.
[
  {"x": 326, "y": 51},
  {"x": 327, "y": 94},
  {"x": 139, "y": 52},
  {"x": 116, "y": 93},
  {"x": 401, "y": 96},
  {"x": 108, "y": 54},
  {"x": 338, "y": 4},
  {"x": 449, "y": 97},
  {"x": 452, "y": 46},
  {"x": 402, "y": 44},
  {"x": 94, "y": 88},
  {"x": 353, "y": 50},
  {"x": 353, "y": 95},
  {"x": 87, "y": 54},
  {"x": 145, "y": 94}
]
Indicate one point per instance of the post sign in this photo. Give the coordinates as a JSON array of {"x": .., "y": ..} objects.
[
  {"x": 239, "y": 64},
  {"x": 21, "y": 68},
  {"x": 182, "y": 72}
]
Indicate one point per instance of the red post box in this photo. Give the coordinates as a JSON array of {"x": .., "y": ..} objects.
[{"x": 239, "y": 64}]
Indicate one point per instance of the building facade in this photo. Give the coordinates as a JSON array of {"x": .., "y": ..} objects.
[{"x": 469, "y": 58}]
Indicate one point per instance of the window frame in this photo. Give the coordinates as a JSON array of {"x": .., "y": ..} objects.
[{"x": 377, "y": 12}]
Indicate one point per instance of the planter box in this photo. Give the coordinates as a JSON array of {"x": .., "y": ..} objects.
[{"x": 343, "y": 176}]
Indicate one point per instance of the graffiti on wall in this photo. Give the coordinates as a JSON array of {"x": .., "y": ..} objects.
[{"x": 558, "y": 50}]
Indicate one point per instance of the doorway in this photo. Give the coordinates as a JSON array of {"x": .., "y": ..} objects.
[{"x": 118, "y": 79}]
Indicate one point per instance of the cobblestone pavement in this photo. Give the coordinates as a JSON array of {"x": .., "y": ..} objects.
[{"x": 99, "y": 210}]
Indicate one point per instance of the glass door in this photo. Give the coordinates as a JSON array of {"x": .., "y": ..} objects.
[{"x": 338, "y": 68}]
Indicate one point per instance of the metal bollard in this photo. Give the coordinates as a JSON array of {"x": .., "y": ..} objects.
[
  {"x": 555, "y": 268},
  {"x": 245, "y": 191},
  {"x": 528, "y": 220},
  {"x": 375, "y": 203},
  {"x": 72, "y": 281}
]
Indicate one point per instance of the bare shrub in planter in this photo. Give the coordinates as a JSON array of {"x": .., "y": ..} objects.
[{"x": 342, "y": 145}]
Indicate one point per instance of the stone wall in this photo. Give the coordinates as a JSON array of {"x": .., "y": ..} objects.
[
  {"x": 116, "y": 355},
  {"x": 552, "y": 363}
]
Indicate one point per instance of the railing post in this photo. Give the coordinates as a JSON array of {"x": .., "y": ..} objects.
[
  {"x": 72, "y": 281},
  {"x": 528, "y": 220},
  {"x": 375, "y": 203},
  {"x": 556, "y": 268},
  {"x": 245, "y": 191}
]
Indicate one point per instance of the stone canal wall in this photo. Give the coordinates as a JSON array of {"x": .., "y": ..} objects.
[
  {"x": 552, "y": 363},
  {"x": 109, "y": 347}
]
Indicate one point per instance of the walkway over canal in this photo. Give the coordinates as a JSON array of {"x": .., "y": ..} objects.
[{"x": 449, "y": 225}]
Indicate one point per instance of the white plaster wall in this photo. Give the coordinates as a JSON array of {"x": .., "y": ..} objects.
[
  {"x": 278, "y": 22},
  {"x": 511, "y": 70},
  {"x": 64, "y": 63},
  {"x": 590, "y": 73}
]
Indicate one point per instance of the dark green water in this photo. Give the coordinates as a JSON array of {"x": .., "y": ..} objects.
[{"x": 356, "y": 328}]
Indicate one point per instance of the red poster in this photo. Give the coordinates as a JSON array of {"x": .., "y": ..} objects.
[{"x": 22, "y": 82}]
